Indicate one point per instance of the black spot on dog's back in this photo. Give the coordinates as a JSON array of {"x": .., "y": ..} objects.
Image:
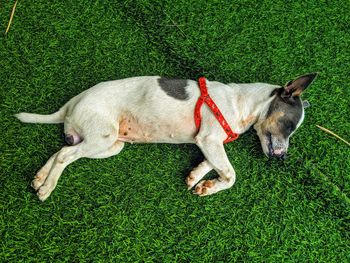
[{"x": 174, "y": 87}]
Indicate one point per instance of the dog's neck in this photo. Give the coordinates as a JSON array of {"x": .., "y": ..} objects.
[{"x": 251, "y": 103}]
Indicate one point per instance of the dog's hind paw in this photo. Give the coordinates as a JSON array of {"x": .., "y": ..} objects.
[
  {"x": 39, "y": 179},
  {"x": 36, "y": 183},
  {"x": 44, "y": 192}
]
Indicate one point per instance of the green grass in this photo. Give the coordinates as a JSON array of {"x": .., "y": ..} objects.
[{"x": 135, "y": 206}]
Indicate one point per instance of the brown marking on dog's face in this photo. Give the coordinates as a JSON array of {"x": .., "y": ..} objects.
[
  {"x": 270, "y": 123},
  {"x": 247, "y": 121}
]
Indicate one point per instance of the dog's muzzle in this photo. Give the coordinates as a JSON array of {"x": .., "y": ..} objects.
[
  {"x": 281, "y": 156},
  {"x": 278, "y": 152}
]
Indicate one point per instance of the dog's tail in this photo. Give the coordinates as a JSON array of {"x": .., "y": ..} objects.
[{"x": 57, "y": 117}]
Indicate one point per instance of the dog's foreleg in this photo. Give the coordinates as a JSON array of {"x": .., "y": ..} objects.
[
  {"x": 215, "y": 154},
  {"x": 198, "y": 173}
]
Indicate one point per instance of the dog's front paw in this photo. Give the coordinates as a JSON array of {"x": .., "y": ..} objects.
[
  {"x": 191, "y": 181},
  {"x": 205, "y": 187}
]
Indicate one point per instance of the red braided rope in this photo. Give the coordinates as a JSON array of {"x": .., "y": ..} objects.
[{"x": 231, "y": 136}]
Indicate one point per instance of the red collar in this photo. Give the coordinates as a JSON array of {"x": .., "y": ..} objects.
[{"x": 231, "y": 136}]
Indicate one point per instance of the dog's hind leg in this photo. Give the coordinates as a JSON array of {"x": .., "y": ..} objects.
[
  {"x": 113, "y": 150},
  {"x": 95, "y": 145},
  {"x": 44, "y": 171},
  {"x": 198, "y": 173},
  {"x": 60, "y": 161}
]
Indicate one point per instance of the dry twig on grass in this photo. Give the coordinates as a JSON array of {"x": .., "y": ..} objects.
[
  {"x": 332, "y": 133},
  {"x": 11, "y": 17}
]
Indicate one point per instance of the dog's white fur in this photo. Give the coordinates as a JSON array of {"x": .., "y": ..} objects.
[{"x": 138, "y": 110}]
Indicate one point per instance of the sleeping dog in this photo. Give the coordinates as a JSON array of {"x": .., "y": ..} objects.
[{"x": 99, "y": 121}]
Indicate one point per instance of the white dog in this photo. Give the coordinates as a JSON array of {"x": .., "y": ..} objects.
[{"x": 98, "y": 122}]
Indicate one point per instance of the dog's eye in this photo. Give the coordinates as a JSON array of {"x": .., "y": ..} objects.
[{"x": 288, "y": 126}]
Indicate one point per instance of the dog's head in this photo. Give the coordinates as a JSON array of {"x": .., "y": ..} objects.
[{"x": 283, "y": 117}]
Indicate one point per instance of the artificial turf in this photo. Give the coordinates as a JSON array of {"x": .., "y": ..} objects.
[{"x": 135, "y": 206}]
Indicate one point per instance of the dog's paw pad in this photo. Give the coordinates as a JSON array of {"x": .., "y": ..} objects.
[
  {"x": 203, "y": 188},
  {"x": 208, "y": 183}
]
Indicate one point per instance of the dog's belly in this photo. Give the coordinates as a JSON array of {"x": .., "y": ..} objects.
[{"x": 134, "y": 130}]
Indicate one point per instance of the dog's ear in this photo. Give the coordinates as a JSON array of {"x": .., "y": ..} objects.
[{"x": 296, "y": 87}]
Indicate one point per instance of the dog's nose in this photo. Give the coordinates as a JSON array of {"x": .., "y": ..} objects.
[
  {"x": 279, "y": 153},
  {"x": 281, "y": 156}
]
